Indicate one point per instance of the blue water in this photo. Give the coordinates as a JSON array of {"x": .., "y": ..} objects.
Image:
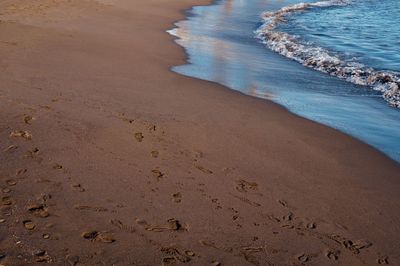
[
  {"x": 221, "y": 46},
  {"x": 367, "y": 31}
]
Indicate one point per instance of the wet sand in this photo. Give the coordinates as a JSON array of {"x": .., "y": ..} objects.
[{"x": 107, "y": 157}]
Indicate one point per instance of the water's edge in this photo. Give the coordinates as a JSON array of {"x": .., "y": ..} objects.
[{"x": 188, "y": 12}]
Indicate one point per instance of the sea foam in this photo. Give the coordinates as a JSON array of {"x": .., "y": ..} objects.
[{"x": 313, "y": 56}]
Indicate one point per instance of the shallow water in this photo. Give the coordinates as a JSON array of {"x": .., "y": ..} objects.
[
  {"x": 221, "y": 46},
  {"x": 336, "y": 37}
]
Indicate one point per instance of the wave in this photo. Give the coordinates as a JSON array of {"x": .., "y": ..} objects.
[{"x": 310, "y": 55}]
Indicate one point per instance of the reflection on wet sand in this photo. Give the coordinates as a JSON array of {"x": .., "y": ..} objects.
[{"x": 221, "y": 46}]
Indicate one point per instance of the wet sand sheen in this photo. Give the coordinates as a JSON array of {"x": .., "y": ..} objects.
[
  {"x": 108, "y": 157},
  {"x": 224, "y": 46}
]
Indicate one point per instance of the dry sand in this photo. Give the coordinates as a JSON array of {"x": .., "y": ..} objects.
[{"x": 109, "y": 158}]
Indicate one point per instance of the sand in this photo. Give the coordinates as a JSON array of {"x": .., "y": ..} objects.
[{"x": 109, "y": 158}]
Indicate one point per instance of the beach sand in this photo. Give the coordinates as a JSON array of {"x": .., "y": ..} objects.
[{"x": 109, "y": 158}]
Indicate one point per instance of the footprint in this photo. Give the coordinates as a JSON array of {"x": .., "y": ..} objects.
[
  {"x": 303, "y": 258},
  {"x": 355, "y": 247},
  {"x": 207, "y": 243},
  {"x": 11, "y": 182},
  {"x": 177, "y": 197},
  {"x": 105, "y": 238},
  {"x": 21, "y": 171},
  {"x": 203, "y": 169},
  {"x": 6, "y": 190},
  {"x": 90, "y": 208},
  {"x": 174, "y": 253},
  {"x": 283, "y": 203},
  {"x": 253, "y": 249},
  {"x": 288, "y": 217},
  {"x": 139, "y": 136},
  {"x": 154, "y": 154},
  {"x": 6, "y": 201},
  {"x": 57, "y": 166},
  {"x": 384, "y": 260},
  {"x": 28, "y": 119},
  {"x": 245, "y": 186},
  {"x": 42, "y": 256},
  {"x": 78, "y": 187},
  {"x": 98, "y": 236},
  {"x": 91, "y": 235},
  {"x": 332, "y": 254},
  {"x": 39, "y": 210},
  {"x": 311, "y": 225},
  {"x": 273, "y": 218},
  {"x": 362, "y": 243},
  {"x": 21, "y": 134},
  {"x": 247, "y": 201},
  {"x": 172, "y": 225},
  {"x": 31, "y": 153},
  {"x": 158, "y": 174},
  {"x": 168, "y": 260},
  {"x": 10, "y": 148},
  {"x": 122, "y": 226}
]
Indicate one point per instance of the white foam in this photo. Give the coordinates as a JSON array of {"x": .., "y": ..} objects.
[{"x": 321, "y": 59}]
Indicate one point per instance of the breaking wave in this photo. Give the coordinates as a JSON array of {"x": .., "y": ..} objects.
[{"x": 310, "y": 55}]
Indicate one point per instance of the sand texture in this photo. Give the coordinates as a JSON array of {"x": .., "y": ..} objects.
[{"x": 109, "y": 158}]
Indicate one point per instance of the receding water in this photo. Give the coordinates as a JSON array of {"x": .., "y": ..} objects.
[{"x": 221, "y": 46}]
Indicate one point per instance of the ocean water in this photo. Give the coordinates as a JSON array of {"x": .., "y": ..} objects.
[
  {"x": 355, "y": 40},
  {"x": 336, "y": 62}
]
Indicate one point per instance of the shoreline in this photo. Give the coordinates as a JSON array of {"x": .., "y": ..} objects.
[
  {"x": 192, "y": 74},
  {"x": 129, "y": 162}
]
